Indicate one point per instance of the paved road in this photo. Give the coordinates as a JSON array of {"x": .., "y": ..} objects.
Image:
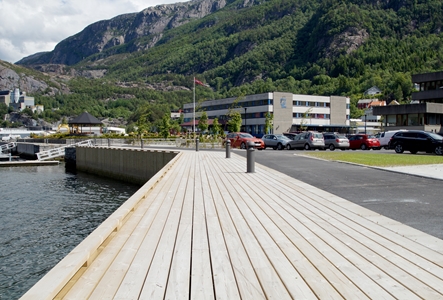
[{"x": 412, "y": 200}]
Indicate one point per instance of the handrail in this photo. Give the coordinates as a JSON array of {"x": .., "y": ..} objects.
[
  {"x": 57, "y": 152},
  {"x": 8, "y": 146}
]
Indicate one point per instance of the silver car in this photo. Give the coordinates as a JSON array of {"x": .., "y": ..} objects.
[
  {"x": 276, "y": 141},
  {"x": 308, "y": 140},
  {"x": 335, "y": 141}
]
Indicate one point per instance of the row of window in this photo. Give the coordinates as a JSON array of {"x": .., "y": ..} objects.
[
  {"x": 246, "y": 104},
  {"x": 413, "y": 119},
  {"x": 314, "y": 104},
  {"x": 310, "y": 103},
  {"x": 311, "y": 116},
  {"x": 431, "y": 85}
]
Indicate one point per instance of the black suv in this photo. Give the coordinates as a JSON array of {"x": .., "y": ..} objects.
[{"x": 416, "y": 140}]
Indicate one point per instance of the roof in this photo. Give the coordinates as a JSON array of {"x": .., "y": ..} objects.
[
  {"x": 85, "y": 118},
  {"x": 372, "y": 91},
  {"x": 377, "y": 103},
  {"x": 365, "y": 101}
]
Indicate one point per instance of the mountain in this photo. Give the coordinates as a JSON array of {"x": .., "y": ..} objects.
[
  {"x": 137, "y": 31},
  {"x": 238, "y": 47}
]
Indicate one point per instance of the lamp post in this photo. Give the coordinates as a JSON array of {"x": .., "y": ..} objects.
[
  {"x": 245, "y": 118},
  {"x": 365, "y": 123}
]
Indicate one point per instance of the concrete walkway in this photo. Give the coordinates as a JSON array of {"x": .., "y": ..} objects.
[{"x": 429, "y": 171}]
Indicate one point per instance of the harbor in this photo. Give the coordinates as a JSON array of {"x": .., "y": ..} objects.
[{"x": 46, "y": 212}]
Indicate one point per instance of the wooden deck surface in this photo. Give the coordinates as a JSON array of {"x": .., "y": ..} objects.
[{"x": 207, "y": 229}]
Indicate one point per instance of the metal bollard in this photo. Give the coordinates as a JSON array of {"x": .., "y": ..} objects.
[
  {"x": 228, "y": 148},
  {"x": 109, "y": 142},
  {"x": 197, "y": 141},
  {"x": 141, "y": 143},
  {"x": 250, "y": 158}
]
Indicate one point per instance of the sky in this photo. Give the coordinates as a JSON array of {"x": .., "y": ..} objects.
[{"x": 31, "y": 26}]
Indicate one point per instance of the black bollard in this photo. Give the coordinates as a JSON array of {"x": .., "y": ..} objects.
[
  {"x": 141, "y": 143},
  {"x": 228, "y": 148},
  {"x": 197, "y": 141},
  {"x": 250, "y": 158}
]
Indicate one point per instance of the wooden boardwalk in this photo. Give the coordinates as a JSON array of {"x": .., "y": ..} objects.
[{"x": 205, "y": 229}]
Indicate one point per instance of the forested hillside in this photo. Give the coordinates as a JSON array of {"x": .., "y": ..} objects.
[{"x": 332, "y": 47}]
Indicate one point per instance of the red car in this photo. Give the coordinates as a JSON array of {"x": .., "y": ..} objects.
[
  {"x": 241, "y": 139},
  {"x": 364, "y": 142}
]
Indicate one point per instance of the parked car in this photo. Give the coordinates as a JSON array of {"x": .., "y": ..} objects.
[
  {"x": 336, "y": 141},
  {"x": 363, "y": 142},
  {"x": 308, "y": 140},
  {"x": 276, "y": 141},
  {"x": 291, "y": 135},
  {"x": 385, "y": 137},
  {"x": 241, "y": 139},
  {"x": 417, "y": 140}
]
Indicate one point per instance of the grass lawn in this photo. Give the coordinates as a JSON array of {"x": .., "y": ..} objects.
[{"x": 377, "y": 159}]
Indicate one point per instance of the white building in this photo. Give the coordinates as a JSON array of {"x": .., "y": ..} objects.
[
  {"x": 19, "y": 101},
  {"x": 291, "y": 112}
]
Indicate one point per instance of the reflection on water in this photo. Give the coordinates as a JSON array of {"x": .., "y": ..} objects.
[{"x": 44, "y": 213}]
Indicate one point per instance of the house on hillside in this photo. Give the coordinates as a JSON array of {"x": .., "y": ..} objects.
[{"x": 373, "y": 91}]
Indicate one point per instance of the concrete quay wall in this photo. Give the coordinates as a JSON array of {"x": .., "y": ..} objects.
[{"x": 131, "y": 165}]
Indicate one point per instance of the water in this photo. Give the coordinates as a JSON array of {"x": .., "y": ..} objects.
[{"x": 44, "y": 213}]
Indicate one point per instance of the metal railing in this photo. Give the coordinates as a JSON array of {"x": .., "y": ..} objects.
[
  {"x": 57, "y": 152},
  {"x": 8, "y": 146}
]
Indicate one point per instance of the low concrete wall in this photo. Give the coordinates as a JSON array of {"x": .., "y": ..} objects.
[{"x": 130, "y": 165}]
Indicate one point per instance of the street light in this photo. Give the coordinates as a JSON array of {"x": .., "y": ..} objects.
[
  {"x": 245, "y": 118},
  {"x": 365, "y": 123}
]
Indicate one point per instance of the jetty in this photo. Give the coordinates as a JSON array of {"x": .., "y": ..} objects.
[{"x": 205, "y": 228}]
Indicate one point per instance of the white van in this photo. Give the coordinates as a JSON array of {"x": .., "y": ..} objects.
[{"x": 385, "y": 137}]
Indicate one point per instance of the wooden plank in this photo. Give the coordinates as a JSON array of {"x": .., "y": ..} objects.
[
  {"x": 202, "y": 286},
  {"x": 359, "y": 250},
  {"x": 290, "y": 243},
  {"x": 225, "y": 285},
  {"x": 270, "y": 280},
  {"x": 124, "y": 278},
  {"x": 379, "y": 229},
  {"x": 428, "y": 245},
  {"x": 178, "y": 286},
  {"x": 317, "y": 282},
  {"x": 246, "y": 279},
  {"x": 154, "y": 286},
  {"x": 93, "y": 274}
]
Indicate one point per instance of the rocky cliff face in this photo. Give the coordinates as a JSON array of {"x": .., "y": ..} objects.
[
  {"x": 14, "y": 77},
  {"x": 103, "y": 35}
]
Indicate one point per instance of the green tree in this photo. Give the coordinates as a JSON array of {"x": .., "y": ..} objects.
[
  {"x": 304, "y": 122},
  {"x": 269, "y": 121},
  {"x": 235, "y": 120},
  {"x": 165, "y": 126},
  {"x": 142, "y": 125},
  {"x": 203, "y": 122},
  {"x": 216, "y": 128}
]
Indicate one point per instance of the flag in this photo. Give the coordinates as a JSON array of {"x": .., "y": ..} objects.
[{"x": 201, "y": 83}]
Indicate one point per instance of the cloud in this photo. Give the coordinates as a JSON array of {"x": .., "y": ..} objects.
[{"x": 30, "y": 26}]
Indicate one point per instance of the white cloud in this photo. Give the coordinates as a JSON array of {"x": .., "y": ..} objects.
[{"x": 30, "y": 26}]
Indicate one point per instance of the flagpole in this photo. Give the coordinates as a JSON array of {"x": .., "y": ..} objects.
[{"x": 194, "y": 110}]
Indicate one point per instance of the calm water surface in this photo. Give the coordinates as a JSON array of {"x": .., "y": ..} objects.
[{"x": 44, "y": 213}]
